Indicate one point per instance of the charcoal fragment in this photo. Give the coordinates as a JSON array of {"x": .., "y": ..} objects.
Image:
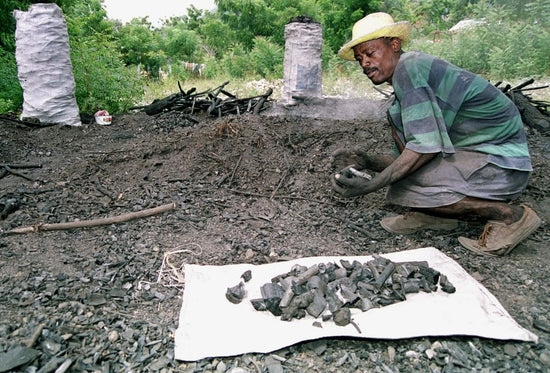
[
  {"x": 446, "y": 285},
  {"x": 342, "y": 317},
  {"x": 236, "y": 293},
  {"x": 258, "y": 304},
  {"x": 247, "y": 276},
  {"x": 272, "y": 295}
]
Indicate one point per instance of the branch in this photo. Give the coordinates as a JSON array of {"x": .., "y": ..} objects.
[{"x": 95, "y": 222}]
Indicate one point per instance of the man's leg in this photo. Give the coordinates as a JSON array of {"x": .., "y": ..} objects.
[
  {"x": 489, "y": 210},
  {"x": 507, "y": 224}
]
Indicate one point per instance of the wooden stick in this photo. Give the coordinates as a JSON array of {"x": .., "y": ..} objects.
[
  {"x": 235, "y": 170},
  {"x": 7, "y": 168},
  {"x": 21, "y": 165},
  {"x": 95, "y": 222}
]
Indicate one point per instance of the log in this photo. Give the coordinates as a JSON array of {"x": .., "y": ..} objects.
[
  {"x": 158, "y": 106},
  {"x": 95, "y": 222},
  {"x": 531, "y": 116}
]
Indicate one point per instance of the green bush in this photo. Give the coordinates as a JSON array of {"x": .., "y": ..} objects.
[
  {"x": 266, "y": 59},
  {"x": 499, "y": 50},
  {"x": 11, "y": 94},
  {"x": 102, "y": 81}
]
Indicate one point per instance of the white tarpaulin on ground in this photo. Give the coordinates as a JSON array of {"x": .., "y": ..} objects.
[{"x": 211, "y": 326}]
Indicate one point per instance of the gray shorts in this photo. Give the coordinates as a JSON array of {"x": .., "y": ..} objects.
[{"x": 444, "y": 181}]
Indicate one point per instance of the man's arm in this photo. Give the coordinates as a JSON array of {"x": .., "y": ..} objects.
[{"x": 408, "y": 161}]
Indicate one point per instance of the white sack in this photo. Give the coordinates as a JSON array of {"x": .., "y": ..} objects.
[
  {"x": 44, "y": 66},
  {"x": 302, "y": 62},
  {"x": 211, "y": 326}
]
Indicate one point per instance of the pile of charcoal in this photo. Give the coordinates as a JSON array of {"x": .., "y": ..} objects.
[
  {"x": 214, "y": 102},
  {"x": 330, "y": 291}
]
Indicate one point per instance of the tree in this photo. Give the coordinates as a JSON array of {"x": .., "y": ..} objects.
[
  {"x": 249, "y": 18},
  {"x": 338, "y": 19}
]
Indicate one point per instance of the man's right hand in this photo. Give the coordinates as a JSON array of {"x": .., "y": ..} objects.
[
  {"x": 344, "y": 157},
  {"x": 359, "y": 159}
]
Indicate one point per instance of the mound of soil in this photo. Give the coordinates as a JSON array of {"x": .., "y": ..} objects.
[{"x": 251, "y": 188}]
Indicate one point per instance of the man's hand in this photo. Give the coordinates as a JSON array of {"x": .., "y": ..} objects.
[
  {"x": 349, "y": 184},
  {"x": 359, "y": 159},
  {"x": 345, "y": 157}
]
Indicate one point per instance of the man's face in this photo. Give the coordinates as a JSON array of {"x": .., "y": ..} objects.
[{"x": 378, "y": 58}]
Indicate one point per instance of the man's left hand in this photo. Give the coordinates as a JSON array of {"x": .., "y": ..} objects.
[{"x": 348, "y": 184}]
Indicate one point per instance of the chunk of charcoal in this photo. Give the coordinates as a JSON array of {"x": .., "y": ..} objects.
[
  {"x": 317, "y": 283},
  {"x": 306, "y": 275},
  {"x": 426, "y": 286},
  {"x": 333, "y": 302},
  {"x": 272, "y": 295},
  {"x": 410, "y": 285},
  {"x": 296, "y": 308},
  {"x": 247, "y": 276},
  {"x": 373, "y": 269},
  {"x": 236, "y": 293},
  {"x": 348, "y": 292},
  {"x": 317, "y": 306},
  {"x": 303, "y": 300},
  {"x": 258, "y": 304},
  {"x": 364, "y": 304},
  {"x": 297, "y": 269},
  {"x": 385, "y": 300},
  {"x": 365, "y": 289},
  {"x": 299, "y": 289},
  {"x": 446, "y": 285},
  {"x": 342, "y": 317},
  {"x": 288, "y": 294},
  {"x": 340, "y": 273},
  {"x": 398, "y": 294},
  {"x": 346, "y": 264},
  {"x": 385, "y": 275},
  {"x": 430, "y": 274},
  {"x": 291, "y": 312},
  {"x": 322, "y": 268}
]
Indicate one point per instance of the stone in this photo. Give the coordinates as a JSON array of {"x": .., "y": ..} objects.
[{"x": 113, "y": 336}]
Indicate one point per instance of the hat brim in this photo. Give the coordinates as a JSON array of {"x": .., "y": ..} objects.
[{"x": 401, "y": 30}]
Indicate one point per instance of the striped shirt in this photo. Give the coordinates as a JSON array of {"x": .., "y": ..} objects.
[{"x": 440, "y": 107}]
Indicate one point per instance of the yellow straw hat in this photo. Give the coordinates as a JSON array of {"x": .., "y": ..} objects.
[{"x": 374, "y": 26}]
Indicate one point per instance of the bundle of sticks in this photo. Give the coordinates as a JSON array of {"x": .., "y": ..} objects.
[{"x": 215, "y": 102}]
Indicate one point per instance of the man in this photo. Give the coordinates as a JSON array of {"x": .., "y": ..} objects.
[{"x": 460, "y": 150}]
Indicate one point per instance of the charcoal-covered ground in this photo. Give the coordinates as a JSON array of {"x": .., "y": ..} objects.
[{"x": 251, "y": 188}]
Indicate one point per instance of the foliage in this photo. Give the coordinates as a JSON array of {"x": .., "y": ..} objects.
[
  {"x": 250, "y": 17},
  {"x": 244, "y": 39},
  {"x": 102, "y": 81},
  {"x": 338, "y": 18},
  {"x": 11, "y": 94},
  {"x": 265, "y": 60},
  {"x": 497, "y": 49}
]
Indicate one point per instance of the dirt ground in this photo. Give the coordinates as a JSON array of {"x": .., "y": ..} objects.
[{"x": 250, "y": 188}]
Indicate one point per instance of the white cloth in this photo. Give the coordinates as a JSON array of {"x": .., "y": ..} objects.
[{"x": 211, "y": 326}]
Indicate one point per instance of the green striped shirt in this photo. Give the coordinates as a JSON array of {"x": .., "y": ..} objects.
[{"x": 440, "y": 107}]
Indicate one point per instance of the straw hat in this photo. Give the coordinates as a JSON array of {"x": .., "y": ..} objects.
[{"x": 374, "y": 26}]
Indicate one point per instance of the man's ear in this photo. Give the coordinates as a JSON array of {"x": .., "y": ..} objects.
[{"x": 396, "y": 44}]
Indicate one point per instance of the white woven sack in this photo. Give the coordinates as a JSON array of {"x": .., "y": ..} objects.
[{"x": 44, "y": 66}]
